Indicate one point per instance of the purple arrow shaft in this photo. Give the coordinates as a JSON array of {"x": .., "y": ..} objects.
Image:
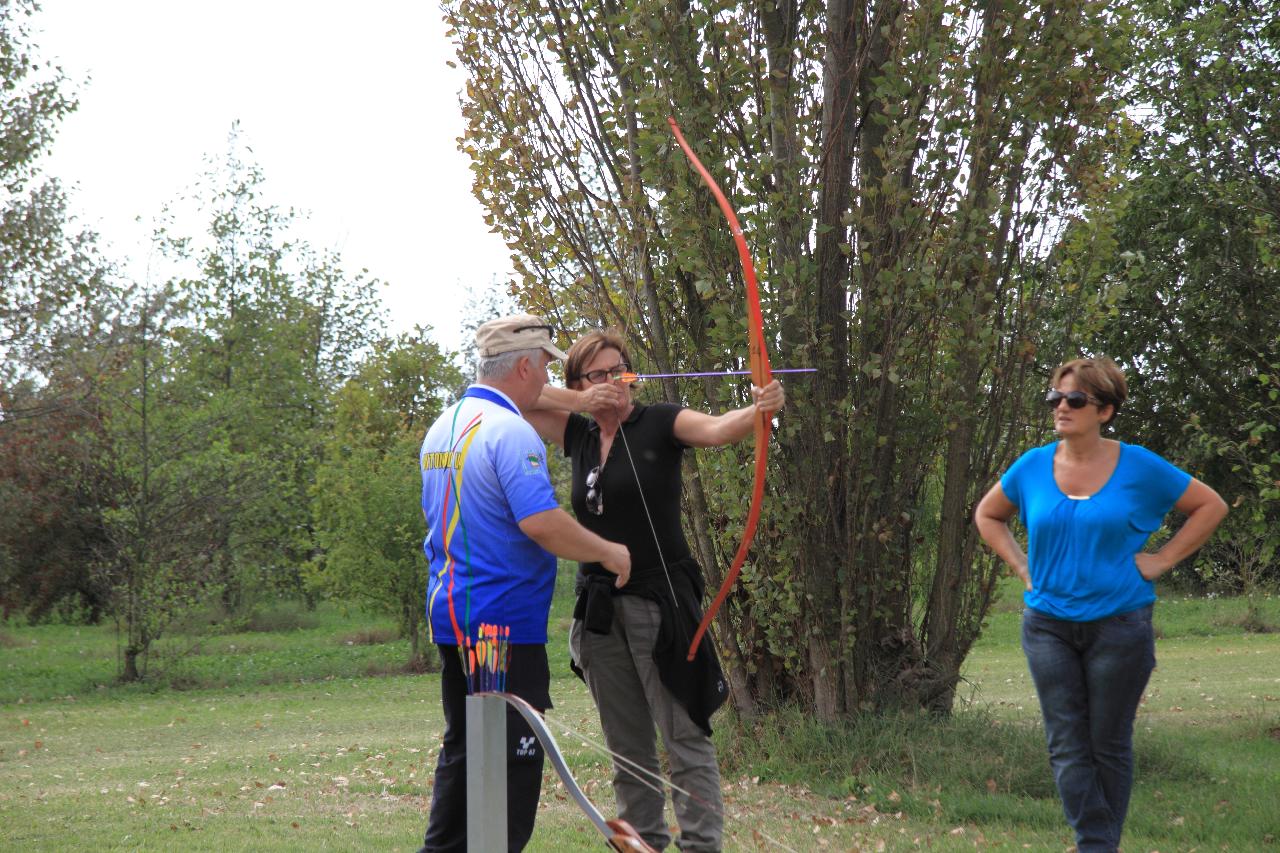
[{"x": 724, "y": 373}]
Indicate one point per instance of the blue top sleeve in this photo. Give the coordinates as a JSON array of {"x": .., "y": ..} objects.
[
  {"x": 520, "y": 463},
  {"x": 1014, "y": 480},
  {"x": 1161, "y": 485}
]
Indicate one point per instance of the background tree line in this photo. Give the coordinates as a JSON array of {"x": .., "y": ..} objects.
[
  {"x": 945, "y": 200},
  {"x": 237, "y": 427}
]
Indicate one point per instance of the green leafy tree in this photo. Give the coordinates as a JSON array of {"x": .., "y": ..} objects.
[
  {"x": 58, "y": 485},
  {"x": 44, "y": 263},
  {"x": 1251, "y": 452},
  {"x": 273, "y": 328},
  {"x": 367, "y": 491},
  {"x": 173, "y": 479},
  {"x": 47, "y": 269},
  {"x": 50, "y": 495},
  {"x": 903, "y": 171},
  {"x": 1198, "y": 224}
]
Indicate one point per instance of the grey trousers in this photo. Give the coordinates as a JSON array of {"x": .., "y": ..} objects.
[{"x": 632, "y": 702}]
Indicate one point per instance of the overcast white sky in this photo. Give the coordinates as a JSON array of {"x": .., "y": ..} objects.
[{"x": 349, "y": 108}]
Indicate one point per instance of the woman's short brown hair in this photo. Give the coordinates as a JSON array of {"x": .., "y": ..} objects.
[
  {"x": 1100, "y": 377},
  {"x": 587, "y": 347}
]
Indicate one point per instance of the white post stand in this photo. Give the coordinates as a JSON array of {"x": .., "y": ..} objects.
[{"x": 486, "y": 774}]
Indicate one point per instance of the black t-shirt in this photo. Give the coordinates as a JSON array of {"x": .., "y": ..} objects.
[{"x": 650, "y": 435}]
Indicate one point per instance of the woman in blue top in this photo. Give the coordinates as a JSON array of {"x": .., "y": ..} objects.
[{"x": 1089, "y": 504}]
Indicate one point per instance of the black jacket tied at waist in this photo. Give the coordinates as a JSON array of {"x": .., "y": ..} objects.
[{"x": 698, "y": 685}]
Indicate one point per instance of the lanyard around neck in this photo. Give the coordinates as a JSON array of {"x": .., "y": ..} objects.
[{"x": 492, "y": 396}]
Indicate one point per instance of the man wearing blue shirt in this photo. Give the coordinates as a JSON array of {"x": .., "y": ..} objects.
[{"x": 494, "y": 530}]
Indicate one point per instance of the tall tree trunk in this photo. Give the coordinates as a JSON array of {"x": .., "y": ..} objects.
[
  {"x": 946, "y": 636},
  {"x": 130, "y": 673},
  {"x": 820, "y": 438}
]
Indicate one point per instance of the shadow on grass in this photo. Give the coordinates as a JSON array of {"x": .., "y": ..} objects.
[
  {"x": 1250, "y": 622},
  {"x": 970, "y": 767},
  {"x": 369, "y": 637},
  {"x": 421, "y": 665}
]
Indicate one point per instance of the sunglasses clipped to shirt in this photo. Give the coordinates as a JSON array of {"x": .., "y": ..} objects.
[
  {"x": 595, "y": 497},
  {"x": 1075, "y": 399}
]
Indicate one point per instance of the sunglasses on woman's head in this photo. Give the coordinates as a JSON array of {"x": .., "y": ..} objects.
[{"x": 1075, "y": 399}]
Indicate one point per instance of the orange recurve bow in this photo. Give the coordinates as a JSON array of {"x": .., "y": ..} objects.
[{"x": 760, "y": 377}]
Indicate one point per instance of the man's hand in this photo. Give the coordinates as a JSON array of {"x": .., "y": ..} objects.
[
  {"x": 618, "y": 562},
  {"x": 557, "y": 532}
]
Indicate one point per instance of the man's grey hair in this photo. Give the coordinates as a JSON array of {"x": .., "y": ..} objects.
[{"x": 498, "y": 366}]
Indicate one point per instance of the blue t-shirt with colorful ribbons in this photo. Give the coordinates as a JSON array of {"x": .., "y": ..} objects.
[
  {"x": 1081, "y": 550},
  {"x": 484, "y": 469}
]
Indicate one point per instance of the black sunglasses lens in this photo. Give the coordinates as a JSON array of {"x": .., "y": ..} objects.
[{"x": 1075, "y": 399}]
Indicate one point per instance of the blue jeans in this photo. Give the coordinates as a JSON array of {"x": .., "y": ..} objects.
[{"x": 1090, "y": 677}]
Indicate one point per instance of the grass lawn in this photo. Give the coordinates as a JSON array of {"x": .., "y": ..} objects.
[{"x": 298, "y": 738}]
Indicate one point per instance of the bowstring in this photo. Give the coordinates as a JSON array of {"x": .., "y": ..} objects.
[
  {"x": 655, "y": 782},
  {"x": 635, "y": 472}
]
